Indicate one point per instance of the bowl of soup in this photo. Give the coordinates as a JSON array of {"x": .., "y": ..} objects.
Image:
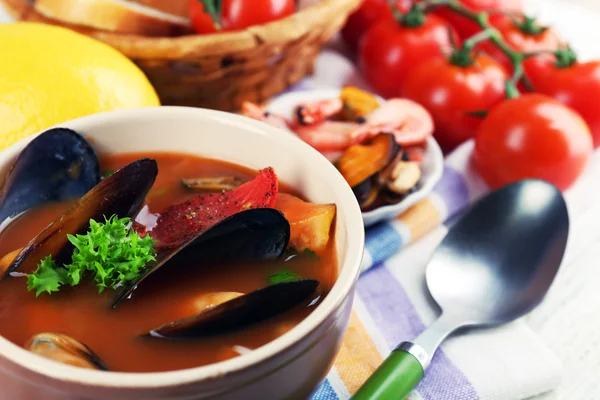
[{"x": 172, "y": 253}]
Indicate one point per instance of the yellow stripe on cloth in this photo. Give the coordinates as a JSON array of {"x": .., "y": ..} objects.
[
  {"x": 421, "y": 219},
  {"x": 358, "y": 357}
]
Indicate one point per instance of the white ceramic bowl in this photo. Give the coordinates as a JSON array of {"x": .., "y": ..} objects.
[
  {"x": 289, "y": 367},
  {"x": 432, "y": 165}
]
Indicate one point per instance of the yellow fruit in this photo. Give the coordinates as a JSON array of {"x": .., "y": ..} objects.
[{"x": 49, "y": 75}]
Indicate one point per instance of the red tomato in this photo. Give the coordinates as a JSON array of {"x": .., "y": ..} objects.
[
  {"x": 361, "y": 20},
  {"x": 240, "y": 14},
  {"x": 388, "y": 50},
  {"x": 520, "y": 40},
  {"x": 465, "y": 27},
  {"x": 202, "y": 22},
  {"x": 450, "y": 92},
  {"x": 577, "y": 86},
  {"x": 532, "y": 136}
]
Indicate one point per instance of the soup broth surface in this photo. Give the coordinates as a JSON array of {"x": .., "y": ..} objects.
[{"x": 167, "y": 295}]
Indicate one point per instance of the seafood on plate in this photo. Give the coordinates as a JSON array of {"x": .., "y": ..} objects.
[
  {"x": 153, "y": 261},
  {"x": 377, "y": 146}
]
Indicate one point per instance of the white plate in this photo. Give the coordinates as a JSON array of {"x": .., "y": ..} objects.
[{"x": 432, "y": 166}]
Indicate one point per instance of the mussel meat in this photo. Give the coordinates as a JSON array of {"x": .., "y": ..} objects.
[
  {"x": 239, "y": 312},
  {"x": 403, "y": 176},
  {"x": 122, "y": 193},
  {"x": 57, "y": 165},
  {"x": 210, "y": 300},
  {"x": 255, "y": 234},
  {"x": 66, "y": 350},
  {"x": 217, "y": 183},
  {"x": 8, "y": 259}
]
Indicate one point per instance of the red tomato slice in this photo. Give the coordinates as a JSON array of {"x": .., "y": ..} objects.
[{"x": 181, "y": 222}]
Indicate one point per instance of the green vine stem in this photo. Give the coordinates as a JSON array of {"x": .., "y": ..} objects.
[
  {"x": 482, "y": 19},
  {"x": 213, "y": 8},
  {"x": 463, "y": 57}
]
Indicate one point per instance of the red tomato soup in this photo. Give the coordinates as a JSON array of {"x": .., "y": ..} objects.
[{"x": 171, "y": 293}]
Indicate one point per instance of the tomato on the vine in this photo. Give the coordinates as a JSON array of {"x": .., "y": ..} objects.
[
  {"x": 369, "y": 12},
  {"x": 574, "y": 84},
  {"x": 532, "y": 136},
  {"x": 390, "y": 49},
  {"x": 237, "y": 14},
  {"x": 522, "y": 35},
  {"x": 453, "y": 94},
  {"x": 465, "y": 27}
]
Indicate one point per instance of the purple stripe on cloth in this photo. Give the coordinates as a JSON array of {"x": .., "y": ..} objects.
[
  {"x": 453, "y": 190},
  {"x": 392, "y": 312}
]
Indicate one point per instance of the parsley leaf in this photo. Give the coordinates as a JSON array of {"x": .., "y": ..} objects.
[
  {"x": 109, "y": 251},
  {"x": 284, "y": 275},
  {"x": 47, "y": 278}
]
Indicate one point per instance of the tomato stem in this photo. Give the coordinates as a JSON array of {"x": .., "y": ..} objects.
[
  {"x": 529, "y": 26},
  {"x": 463, "y": 57},
  {"x": 213, "y": 8},
  {"x": 412, "y": 19},
  {"x": 565, "y": 58}
]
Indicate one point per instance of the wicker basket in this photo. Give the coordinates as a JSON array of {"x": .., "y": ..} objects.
[{"x": 220, "y": 71}]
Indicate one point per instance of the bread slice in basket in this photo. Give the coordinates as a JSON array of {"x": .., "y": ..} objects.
[{"x": 121, "y": 16}]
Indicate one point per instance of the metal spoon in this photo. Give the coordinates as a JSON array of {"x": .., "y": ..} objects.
[{"x": 494, "y": 265}]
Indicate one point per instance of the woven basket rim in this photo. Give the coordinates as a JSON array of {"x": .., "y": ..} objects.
[{"x": 293, "y": 27}]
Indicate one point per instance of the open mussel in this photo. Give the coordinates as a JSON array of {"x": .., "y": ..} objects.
[
  {"x": 122, "y": 194},
  {"x": 59, "y": 164},
  {"x": 366, "y": 192},
  {"x": 360, "y": 165},
  {"x": 240, "y": 311},
  {"x": 255, "y": 234},
  {"x": 64, "y": 349}
]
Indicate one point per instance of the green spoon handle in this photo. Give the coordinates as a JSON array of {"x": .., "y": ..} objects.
[{"x": 394, "y": 379}]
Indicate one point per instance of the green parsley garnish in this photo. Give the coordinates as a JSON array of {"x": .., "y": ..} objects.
[
  {"x": 108, "y": 173},
  {"x": 111, "y": 252},
  {"x": 283, "y": 276}
]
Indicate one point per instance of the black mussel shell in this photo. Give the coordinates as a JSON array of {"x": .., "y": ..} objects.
[
  {"x": 255, "y": 234},
  {"x": 57, "y": 165},
  {"x": 239, "y": 312},
  {"x": 122, "y": 193},
  {"x": 366, "y": 192}
]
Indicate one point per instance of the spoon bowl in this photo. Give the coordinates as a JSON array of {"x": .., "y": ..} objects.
[{"x": 499, "y": 260}]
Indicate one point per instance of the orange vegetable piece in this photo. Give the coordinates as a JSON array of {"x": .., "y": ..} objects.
[{"x": 310, "y": 223}]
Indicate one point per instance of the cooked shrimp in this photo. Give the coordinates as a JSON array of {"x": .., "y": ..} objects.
[
  {"x": 318, "y": 111},
  {"x": 409, "y": 122},
  {"x": 327, "y": 136},
  {"x": 253, "y": 111}
]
